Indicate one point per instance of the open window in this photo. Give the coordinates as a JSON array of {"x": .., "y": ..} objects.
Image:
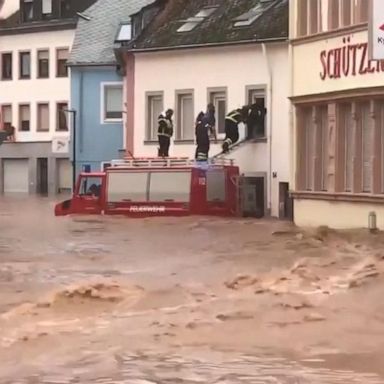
[{"x": 256, "y": 123}]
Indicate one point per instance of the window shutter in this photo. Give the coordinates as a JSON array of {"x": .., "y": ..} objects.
[
  {"x": 349, "y": 147},
  {"x": 324, "y": 147},
  {"x": 367, "y": 147},
  {"x": 187, "y": 117},
  {"x": 310, "y": 148}
]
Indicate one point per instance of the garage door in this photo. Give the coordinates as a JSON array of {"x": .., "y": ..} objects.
[
  {"x": 15, "y": 176},
  {"x": 65, "y": 174}
]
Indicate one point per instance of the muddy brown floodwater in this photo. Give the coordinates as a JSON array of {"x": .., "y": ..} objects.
[{"x": 192, "y": 300}]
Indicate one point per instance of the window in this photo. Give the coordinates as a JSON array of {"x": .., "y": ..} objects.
[
  {"x": 64, "y": 8},
  {"x": 127, "y": 186},
  {"x": 346, "y": 12},
  {"x": 219, "y": 100},
  {"x": 124, "y": 34},
  {"x": 367, "y": 146},
  {"x": 61, "y": 62},
  {"x": 27, "y": 10},
  {"x": 193, "y": 22},
  {"x": 43, "y": 117},
  {"x": 256, "y": 121},
  {"x": 309, "y": 148},
  {"x": 6, "y": 116},
  {"x": 61, "y": 117},
  {"x": 113, "y": 102},
  {"x": 47, "y": 7},
  {"x": 348, "y": 142},
  {"x": 185, "y": 117},
  {"x": 333, "y": 14},
  {"x": 170, "y": 186},
  {"x": 6, "y": 66},
  {"x": 25, "y": 65},
  {"x": 155, "y": 106},
  {"x": 24, "y": 118},
  {"x": 361, "y": 11},
  {"x": 216, "y": 188},
  {"x": 43, "y": 64},
  {"x": 302, "y": 17},
  {"x": 323, "y": 136},
  {"x": 314, "y": 16},
  {"x": 90, "y": 186}
]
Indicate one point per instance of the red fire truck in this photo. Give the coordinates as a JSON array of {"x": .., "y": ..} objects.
[{"x": 157, "y": 187}]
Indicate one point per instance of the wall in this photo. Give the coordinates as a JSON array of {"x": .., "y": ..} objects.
[
  {"x": 233, "y": 67},
  {"x": 308, "y": 65},
  {"x": 32, "y": 151},
  {"x": 337, "y": 215},
  {"x": 35, "y": 90},
  {"x": 97, "y": 141}
]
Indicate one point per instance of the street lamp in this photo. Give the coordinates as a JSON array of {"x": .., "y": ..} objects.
[{"x": 73, "y": 112}]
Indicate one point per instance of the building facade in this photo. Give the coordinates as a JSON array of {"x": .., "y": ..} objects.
[
  {"x": 215, "y": 58},
  {"x": 338, "y": 98},
  {"x": 97, "y": 84},
  {"x": 35, "y": 40}
]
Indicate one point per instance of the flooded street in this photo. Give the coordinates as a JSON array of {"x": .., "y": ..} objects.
[{"x": 192, "y": 300}]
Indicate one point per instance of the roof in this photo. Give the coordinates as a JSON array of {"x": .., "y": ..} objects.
[
  {"x": 217, "y": 28},
  {"x": 94, "y": 39}
]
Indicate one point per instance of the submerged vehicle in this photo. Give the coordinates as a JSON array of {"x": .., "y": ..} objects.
[{"x": 143, "y": 187}]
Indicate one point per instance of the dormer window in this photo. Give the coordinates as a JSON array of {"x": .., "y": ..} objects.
[
  {"x": 124, "y": 33},
  {"x": 27, "y": 10},
  {"x": 248, "y": 18},
  {"x": 192, "y": 22}
]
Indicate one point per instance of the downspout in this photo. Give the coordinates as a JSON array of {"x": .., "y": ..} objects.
[
  {"x": 269, "y": 117},
  {"x": 81, "y": 116}
]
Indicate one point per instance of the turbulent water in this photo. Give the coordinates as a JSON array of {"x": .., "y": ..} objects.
[{"x": 193, "y": 300}]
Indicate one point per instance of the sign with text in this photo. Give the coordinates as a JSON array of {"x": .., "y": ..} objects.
[{"x": 376, "y": 30}]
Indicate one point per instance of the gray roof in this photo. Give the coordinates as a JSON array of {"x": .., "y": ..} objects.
[{"x": 94, "y": 39}]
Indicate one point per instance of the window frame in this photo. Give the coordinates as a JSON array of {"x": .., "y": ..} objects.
[
  {"x": 23, "y": 13},
  {"x": 38, "y": 120},
  {"x": 9, "y": 53},
  {"x": 103, "y": 100},
  {"x": 57, "y": 62},
  {"x": 21, "y": 76},
  {"x": 179, "y": 131},
  {"x": 151, "y": 131},
  {"x": 260, "y": 89},
  {"x": 20, "y": 106},
  {"x": 40, "y": 50}
]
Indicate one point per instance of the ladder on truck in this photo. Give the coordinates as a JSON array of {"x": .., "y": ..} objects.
[
  {"x": 169, "y": 162},
  {"x": 231, "y": 148}
]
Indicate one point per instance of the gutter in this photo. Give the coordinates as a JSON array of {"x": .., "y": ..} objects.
[
  {"x": 270, "y": 92},
  {"x": 209, "y": 45}
]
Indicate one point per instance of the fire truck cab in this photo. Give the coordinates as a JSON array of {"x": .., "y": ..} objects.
[{"x": 157, "y": 187}]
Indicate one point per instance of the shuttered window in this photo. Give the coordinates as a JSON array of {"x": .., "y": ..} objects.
[
  {"x": 323, "y": 125},
  {"x": 346, "y": 113},
  {"x": 309, "y": 148},
  {"x": 185, "y": 117}
]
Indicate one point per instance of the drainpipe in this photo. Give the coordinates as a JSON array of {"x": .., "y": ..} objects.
[{"x": 269, "y": 117}]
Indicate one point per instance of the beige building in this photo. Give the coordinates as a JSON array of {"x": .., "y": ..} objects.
[{"x": 338, "y": 115}]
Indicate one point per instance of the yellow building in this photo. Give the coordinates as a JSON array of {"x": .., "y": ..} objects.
[{"x": 338, "y": 115}]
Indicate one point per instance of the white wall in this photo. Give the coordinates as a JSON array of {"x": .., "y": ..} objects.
[
  {"x": 234, "y": 67},
  {"x": 35, "y": 90}
]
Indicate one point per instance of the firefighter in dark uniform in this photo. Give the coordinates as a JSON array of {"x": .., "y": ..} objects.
[
  {"x": 165, "y": 132},
  {"x": 205, "y": 126},
  {"x": 232, "y": 121}
]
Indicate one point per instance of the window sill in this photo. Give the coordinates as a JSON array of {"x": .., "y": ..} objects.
[
  {"x": 151, "y": 142},
  {"x": 6, "y": 79},
  {"x": 42, "y": 77},
  {"x": 112, "y": 121},
  {"x": 339, "y": 196},
  {"x": 25, "y": 78},
  {"x": 61, "y": 130},
  {"x": 262, "y": 139},
  {"x": 181, "y": 142},
  {"x": 62, "y": 77}
]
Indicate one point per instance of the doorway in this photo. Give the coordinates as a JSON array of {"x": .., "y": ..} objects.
[
  {"x": 42, "y": 176},
  {"x": 285, "y": 202},
  {"x": 253, "y": 197}
]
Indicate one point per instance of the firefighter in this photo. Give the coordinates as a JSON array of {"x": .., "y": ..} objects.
[
  {"x": 165, "y": 132},
  {"x": 205, "y": 126},
  {"x": 232, "y": 121}
]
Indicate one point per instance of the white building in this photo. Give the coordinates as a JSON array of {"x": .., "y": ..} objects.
[
  {"x": 35, "y": 39},
  {"x": 229, "y": 53}
]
